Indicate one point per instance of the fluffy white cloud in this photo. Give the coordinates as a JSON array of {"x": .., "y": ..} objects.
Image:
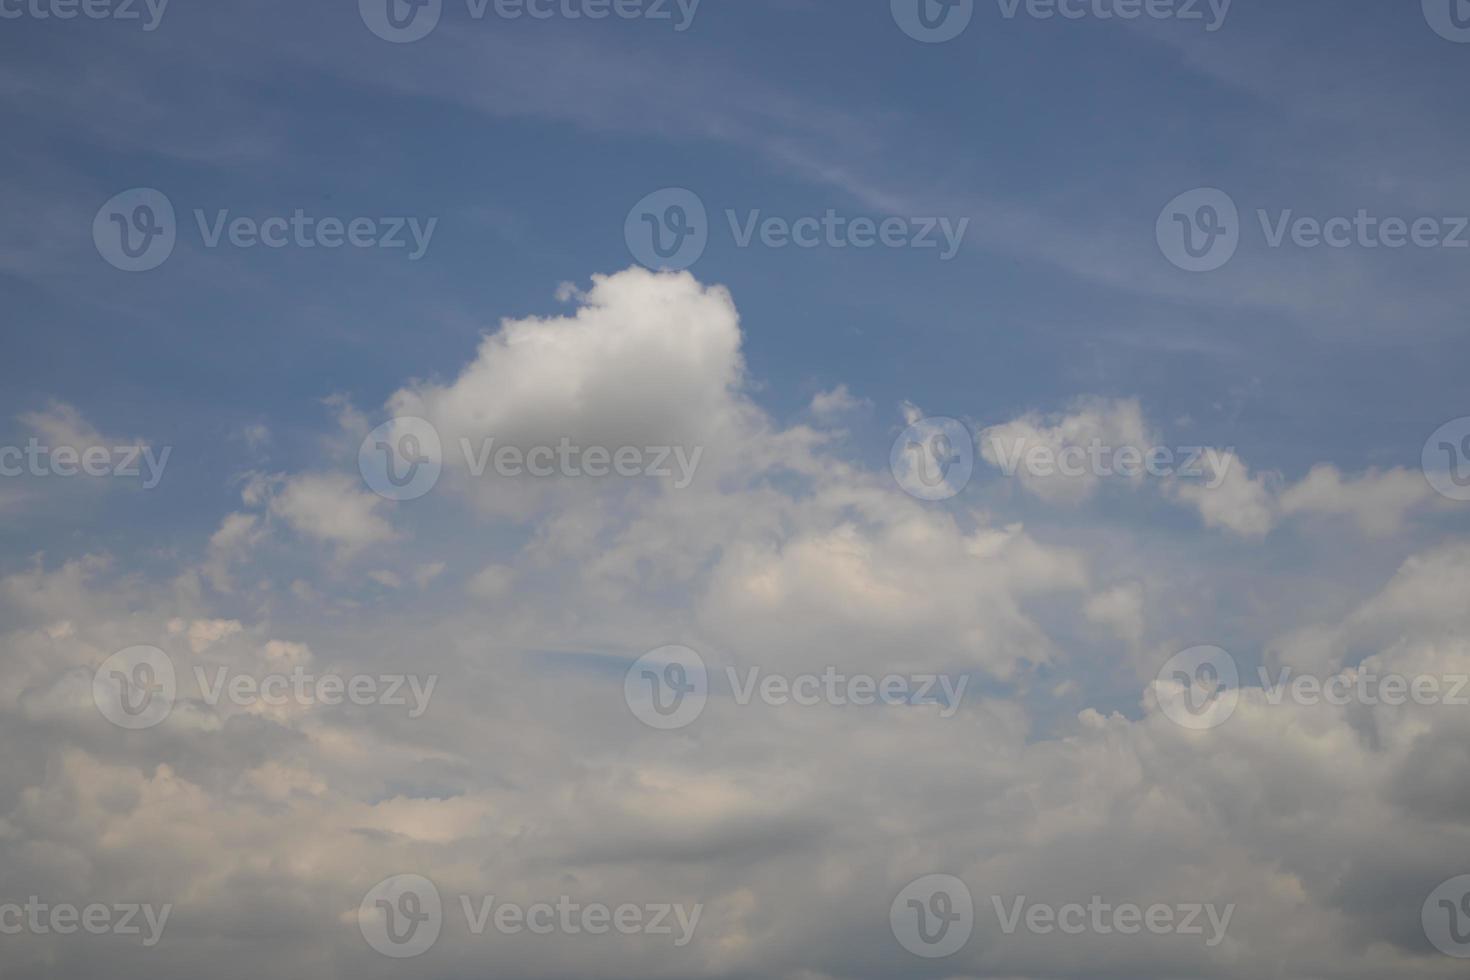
[
  {"x": 1377, "y": 501},
  {"x": 333, "y": 507},
  {"x": 528, "y": 777}
]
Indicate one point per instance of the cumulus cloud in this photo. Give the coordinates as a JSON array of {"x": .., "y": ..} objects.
[
  {"x": 1376, "y": 501},
  {"x": 334, "y": 508},
  {"x": 528, "y": 777}
]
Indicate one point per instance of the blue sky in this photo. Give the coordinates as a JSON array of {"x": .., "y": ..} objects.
[
  {"x": 1062, "y": 151},
  {"x": 529, "y": 141}
]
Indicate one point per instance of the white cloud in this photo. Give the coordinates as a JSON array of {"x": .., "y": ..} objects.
[
  {"x": 333, "y": 507},
  {"x": 1377, "y": 501},
  {"x": 1110, "y": 424}
]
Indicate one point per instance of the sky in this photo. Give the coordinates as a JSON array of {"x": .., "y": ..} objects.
[{"x": 812, "y": 489}]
